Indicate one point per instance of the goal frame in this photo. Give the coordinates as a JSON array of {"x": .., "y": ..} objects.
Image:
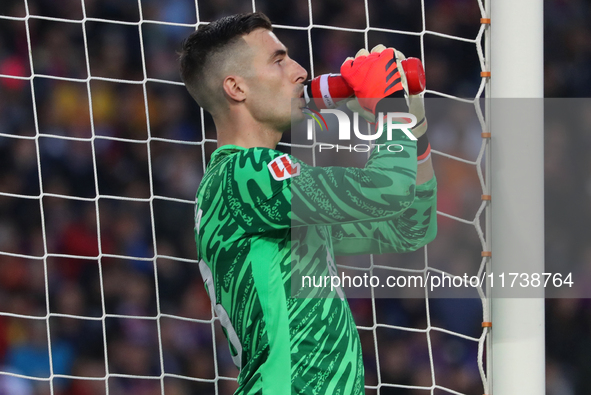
[{"x": 515, "y": 167}]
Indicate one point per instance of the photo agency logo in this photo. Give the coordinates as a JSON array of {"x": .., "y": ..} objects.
[{"x": 394, "y": 120}]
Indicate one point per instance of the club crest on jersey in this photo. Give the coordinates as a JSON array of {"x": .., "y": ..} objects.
[{"x": 282, "y": 168}]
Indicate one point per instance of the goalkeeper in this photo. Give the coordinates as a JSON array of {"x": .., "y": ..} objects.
[{"x": 249, "y": 237}]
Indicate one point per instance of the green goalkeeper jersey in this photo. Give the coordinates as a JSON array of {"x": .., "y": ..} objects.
[{"x": 263, "y": 217}]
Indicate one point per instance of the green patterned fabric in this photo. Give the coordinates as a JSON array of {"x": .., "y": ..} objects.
[{"x": 263, "y": 218}]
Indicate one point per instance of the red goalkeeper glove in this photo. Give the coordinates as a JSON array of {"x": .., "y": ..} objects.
[
  {"x": 411, "y": 77},
  {"x": 373, "y": 76},
  {"x": 324, "y": 90},
  {"x": 383, "y": 73}
]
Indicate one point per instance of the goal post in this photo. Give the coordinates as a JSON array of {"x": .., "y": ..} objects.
[{"x": 517, "y": 182}]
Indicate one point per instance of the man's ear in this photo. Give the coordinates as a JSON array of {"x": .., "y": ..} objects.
[{"x": 235, "y": 88}]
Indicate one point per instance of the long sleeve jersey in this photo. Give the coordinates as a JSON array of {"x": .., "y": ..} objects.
[{"x": 263, "y": 218}]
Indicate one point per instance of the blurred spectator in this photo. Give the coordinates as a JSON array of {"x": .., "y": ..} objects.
[{"x": 118, "y": 273}]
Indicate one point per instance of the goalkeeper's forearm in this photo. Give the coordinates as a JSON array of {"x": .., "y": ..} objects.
[
  {"x": 425, "y": 165},
  {"x": 424, "y": 171}
]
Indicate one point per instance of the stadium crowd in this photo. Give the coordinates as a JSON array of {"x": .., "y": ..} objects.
[{"x": 139, "y": 145}]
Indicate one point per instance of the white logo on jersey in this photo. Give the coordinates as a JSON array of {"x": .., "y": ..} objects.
[
  {"x": 282, "y": 168},
  {"x": 198, "y": 215}
]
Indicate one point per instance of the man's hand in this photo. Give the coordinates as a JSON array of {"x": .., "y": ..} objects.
[{"x": 373, "y": 76}]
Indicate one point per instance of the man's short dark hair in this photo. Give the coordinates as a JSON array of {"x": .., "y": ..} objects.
[{"x": 208, "y": 41}]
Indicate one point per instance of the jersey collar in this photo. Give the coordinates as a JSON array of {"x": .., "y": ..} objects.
[{"x": 224, "y": 151}]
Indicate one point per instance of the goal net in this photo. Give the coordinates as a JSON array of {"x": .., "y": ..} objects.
[{"x": 102, "y": 151}]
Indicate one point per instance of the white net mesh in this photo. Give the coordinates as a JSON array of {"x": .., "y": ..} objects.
[{"x": 102, "y": 151}]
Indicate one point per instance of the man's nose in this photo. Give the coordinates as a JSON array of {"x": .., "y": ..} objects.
[{"x": 300, "y": 73}]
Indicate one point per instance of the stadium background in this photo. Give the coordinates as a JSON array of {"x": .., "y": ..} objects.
[{"x": 126, "y": 228}]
